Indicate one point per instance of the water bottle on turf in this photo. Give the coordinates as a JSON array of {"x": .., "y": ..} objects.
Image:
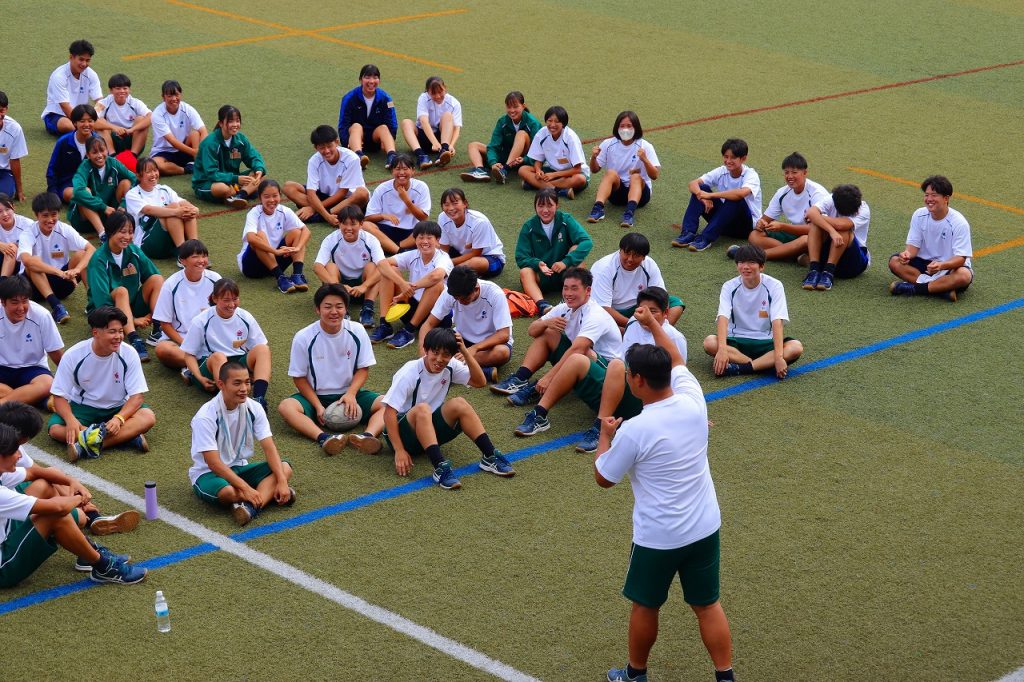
[{"x": 163, "y": 614}]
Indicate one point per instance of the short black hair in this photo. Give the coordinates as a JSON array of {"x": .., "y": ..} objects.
[
  {"x": 93, "y": 142},
  {"x": 795, "y": 160},
  {"x": 323, "y": 135},
  {"x": 119, "y": 80},
  {"x": 351, "y": 212},
  {"x": 23, "y": 417},
  {"x": 170, "y": 87},
  {"x": 580, "y": 273},
  {"x": 515, "y": 97},
  {"x": 46, "y": 201},
  {"x": 229, "y": 367},
  {"x": 81, "y": 111},
  {"x": 144, "y": 162},
  {"x": 441, "y": 339},
  {"x": 558, "y": 112},
  {"x": 638, "y": 130},
  {"x": 750, "y": 253},
  {"x": 369, "y": 70},
  {"x": 427, "y": 227},
  {"x": 80, "y": 47},
  {"x": 433, "y": 83},
  {"x": 847, "y": 199},
  {"x": 462, "y": 281},
  {"x": 454, "y": 193},
  {"x": 655, "y": 295},
  {"x": 330, "y": 290},
  {"x": 9, "y": 441},
  {"x": 192, "y": 247},
  {"x": 117, "y": 222},
  {"x": 634, "y": 242},
  {"x": 100, "y": 317},
  {"x": 3, "y": 99},
  {"x": 266, "y": 184},
  {"x": 651, "y": 362},
  {"x": 939, "y": 183},
  {"x": 402, "y": 159},
  {"x": 735, "y": 145},
  {"x": 224, "y": 285},
  {"x": 6, "y": 200},
  {"x": 15, "y": 287}
]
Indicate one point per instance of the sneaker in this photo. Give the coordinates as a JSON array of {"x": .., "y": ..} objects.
[
  {"x": 730, "y": 253},
  {"x": 528, "y": 187},
  {"x": 509, "y": 386},
  {"x": 620, "y": 675},
  {"x": 285, "y": 284},
  {"x": 423, "y": 161},
  {"x": 140, "y": 347},
  {"x": 390, "y": 160},
  {"x": 499, "y": 174},
  {"x": 443, "y": 158},
  {"x": 123, "y": 573},
  {"x": 444, "y": 477},
  {"x": 382, "y": 333},
  {"x": 186, "y": 376},
  {"x": 366, "y": 317},
  {"x": 811, "y": 280},
  {"x": 700, "y": 244},
  {"x": 589, "y": 441},
  {"x": 60, "y": 314},
  {"x": 237, "y": 200},
  {"x": 825, "y": 280},
  {"x": 569, "y": 194},
  {"x": 731, "y": 370},
  {"x": 803, "y": 260},
  {"x": 138, "y": 443},
  {"x": 102, "y": 238},
  {"x": 77, "y": 452},
  {"x": 154, "y": 336},
  {"x": 124, "y": 522},
  {"x": 683, "y": 240},
  {"x": 189, "y": 167},
  {"x": 533, "y": 424},
  {"x": 365, "y": 443},
  {"x": 402, "y": 339},
  {"x": 902, "y": 289},
  {"x": 335, "y": 444},
  {"x": 105, "y": 555},
  {"x": 244, "y": 512},
  {"x": 490, "y": 373},
  {"x": 478, "y": 174},
  {"x": 543, "y": 307},
  {"x": 525, "y": 396},
  {"x": 497, "y": 465},
  {"x": 948, "y": 295},
  {"x": 364, "y": 160},
  {"x": 627, "y": 220},
  {"x": 596, "y": 214},
  {"x": 291, "y": 498},
  {"x": 299, "y": 280}
]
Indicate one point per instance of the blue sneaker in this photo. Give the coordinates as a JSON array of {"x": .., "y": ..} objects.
[
  {"x": 497, "y": 465},
  {"x": 596, "y": 214},
  {"x": 382, "y": 333},
  {"x": 509, "y": 386},
  {"x": 569, "y": 193},
  {"x": 366, "y": 316},
  {"x": 154, "y": 336},
  {"x": 285, "y": 284},
  {"x": 403, "y": 338},
  {"x": 683, "y": 240},
  {"x": 140, "y": 347},
  {"x": 811, "y": 280},
  {"x": 423, "y": 161},
  {"x": 730, "y": 253},
  {"x": 299, "y": 282},
  {"x": 189, "y": 167},
  {"x": 700, "y": 244},
  {"x": 589, "y": 441},
  {"x": 444, "y": 477},
  {"x": 60, "y": 314},
  {"x": 499, "y": 174},
  {"x": 621, "y": 675},
  {"x": 533, "y": 424},
  {"x": 390, "y": 160},
  {"x": 543, "y": 307},
  {"x": 244, "y": 512},
  {"x": 238, "y": 200},
  {"x": 627, "y": 220},
  {"x": 105, "y": 555},
  {"x": 186, "y": 376},
  {"x": 902, "y": 289},
  {"x": 825, "y": 280},
  {"x": 526, "y": 395},
  {"x": 731, "y": 370},
  {"x": 138, "y": 443},
  {"x": 111, "y": 572}
]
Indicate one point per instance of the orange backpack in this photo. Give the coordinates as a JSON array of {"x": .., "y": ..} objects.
[{"x": 519, "y": 304}]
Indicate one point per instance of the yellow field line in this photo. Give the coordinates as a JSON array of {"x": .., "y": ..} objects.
[
  {"x": 208, "y": 46},
  {"x": 957, "y": 195},
  {"x": 996, "y": 248}
]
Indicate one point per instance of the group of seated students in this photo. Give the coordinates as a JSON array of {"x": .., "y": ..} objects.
[{"x": 430, "y": 278}]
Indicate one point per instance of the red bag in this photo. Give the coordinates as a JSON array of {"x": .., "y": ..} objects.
[{"x": 520, "y": 305}]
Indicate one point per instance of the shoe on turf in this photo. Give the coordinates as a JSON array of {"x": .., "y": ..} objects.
[
  {"x": 509, "y": 385},
  {"x": 588, "y": 443},
  {"x": 596, "y": 214},
  {"x": 497, "y": 465},
  {"x": 811, "y": 280},
  {"x": 527, "y": 395},
  {"x": 366, "y": 443},
  {"x": 105, "y": 556},
  {"x": 443, "y": 158},
  {"x": 569, "y": 194},
  {"x": 237, "y": 200},
  {"x": 499, "y": 174},
  {"x": 627, "y": 220},
  {"x": 154, "y": 336},
  {"x": 621, "y": 675},
  {"x": 731, "y": 370},
  {"x": 243, "y": 512},
  {"x": 189, "y": 167},
  {"x": 138, "y": 443},
  {"x": 124, "y": 522},
  {"x": 299, "y": 281},
  {"x": 423, "y": 161},
  {"x": 803, "y": 260},
  {"x": 364, "y": 160},
  {"x": 140, "y": 347},
  {"x": 730, "y": 253},
  {"x": 445, "y": 478},
  {"x": 532, "y": 424},
  {"x": 825, "y": 281},
  {"x": 543, "y": 307},
  {"x": 478, "y": 174},
  {"x": 112, "y": 572},
  {"x": 285, "y": 284},
  {"x": 366, "y": 316},
  {"x": 390, "y": 160},
  {"x": 684, "y": 239},
  {"x": 261, "y": 400},
  {"x": 700, "y": 244},
  {"x": 902, "y": 289},
  {"x": 60, "y": 314},
  {"x": 186, "y": 376},
  {"x": 402, "y": 338},
  {"x": 335, "y": 444},
  {"x": 947, "y": 295},
  {"x": 382, "y": 333}
]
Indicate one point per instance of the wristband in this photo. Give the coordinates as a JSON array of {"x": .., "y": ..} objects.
[{"x": 119, "y": 418}]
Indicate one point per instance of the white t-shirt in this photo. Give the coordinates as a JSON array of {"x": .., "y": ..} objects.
[
  {"x": 137, "y": 198},
  {"x": 350, "y": 257},
  {"x": 425, "y": 106},
  {"x": 328, "y": 178},
  {"x": 412, "y": 262},
  {"x": 26, "y": 343},
  {"x": 210, "y": 333},
  {"x": 54, "y": 249},
  {"x": 414, "y": 384},
  {"x": 593, "y": 322},
  {"x": 13, "y": 236},
  {"x": 721, "y": 180},
  {"x": 476, "y": 233},
  {"x": 179, "y": 125},
  {"x": 620, "y": 157},
  {"x": 560, "y": 154},
  {"x": 180, "y": 300},
  {"x": 231, "y": 433},
  {"x": 12, "y": 142},
  {"x": 861, "y": 221},
  {"x": 64, "y": 87},
  {"x": 752, "y": 311},
  {"x": 940, "y": 239},
  {"x": 274, "y": 226},
  {"x": 385, "y": 199},
  {"x": 14, "y": 506},
  {"x": 479, "y": 319},
  {"x": 637, "y": 333},
  {"x": 616, "y": 287},
  {"x": 664, "y": 450},
  {"x": 788, "y": 202},
  {"x": 86, "y": 378},
  {"x": 123, "y": 115},
  {"x": 19, "y": 475},
  {"x": 328, "y": 361}
]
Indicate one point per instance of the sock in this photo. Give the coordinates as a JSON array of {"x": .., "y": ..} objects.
[
  {"x": 91, "y": 516},
  {"x": 635, "y": 672},
  {"x": 814, "y": 266},
  {"x": 631, "y": 206},
  {"x": 541, "y": 411},
  {"x": 597, "y": 424},
  {"x": 483, "y": 441},
  {"x": 297, "y": 267},
  {"x": 277, "y": 271},
  {"x": 746, "y": 367},
  {"x": 418, "y": 151},
  {"x": 523, "y": 374},
  {"x": 259, "y": 388},
  {"x": 433, "y": 452},
  {"x": 444, "y": 146},
  {"x": 921, "y": 288},
  {"x": 830, "y": 268},
  {"x": 409, "y": 327},
  {"x": 53, "y": 301},
  {"x": 359, "y": 153},
  {"x": 721, "y": 675},
  {"x": 322, "y": 438}
]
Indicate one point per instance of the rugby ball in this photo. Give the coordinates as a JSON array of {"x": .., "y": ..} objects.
[{"x": 336, "y": 420}]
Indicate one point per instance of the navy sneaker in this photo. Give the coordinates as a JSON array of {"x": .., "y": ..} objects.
[
  {"x": 103, "y": 238},
  {"x": 60, "y": 314},
  {"x": 186, "y": 376},
  {"x": 244, "y": 512},
  {"x": 382, "y": 333},
  {"x": 596, "y": 214},
  {"x": 700, "y": 244},
  {"x": 390, "y": 160},
  {"x": 402, "y": 338},
  {"x": 730, "y": 253},
  {"x": 154, "y": 336},
  {"x": 509, "y": 386},
  {"x": 683, "y": 240},
  {"x": 947, "y": 295},
  {"x": 499, "y": 174},
  {"x": 364, "y": 160},
  {"x": 238, "y": 200},
  {"x": 497, "y": 465},
  {"x": 902, "y": 289},
  {"x": 526, "y": 395},
  {"x": 423, "y": 161},
  {"x": 569, "y": 194},
  {"x": 622, "y": 675},
  {"x": 627, "y": 220},
  {"x": 811, "y": 280},
  {"x": 140, "y": 347},
  {"x": 138, "y": 443},
  {"x": 299, "y": 281},
  {"x": 478, "y": 174},
  {"x": 533, "y": 424},
  {"x": 589, "y": 441},
  {"x": 112, "y": 572},
  {"x": 105, "y": 556},
  {"x": 189, "y": 167},
  {"x": 366, "y": 317},
  {"x": 825, "y": 280},
  {"x": 261, "y": 400},
  {"x": 285, "y": 284},
  {"x": 731, "y": 370},
  {"x": 543, "y": 307},
  {"x": 445, "y": 478}
]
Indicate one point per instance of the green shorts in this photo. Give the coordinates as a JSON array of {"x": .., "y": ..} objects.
[
  {"x": 549, "y": 284},
  {"x": 364, "y": 398},
  {"x": 564, "y": 344},
  {"x": 651, "y": 572},
  {"x": 548, "y": 169},
  {"x": 156, "y": 241},
  {"x": 673, "y": 302},
  {"x": 209, "y": 484},
  {"x": 589, "y": 389},
  {"x": 24, "y": 550},
  {"x": 205, "y": 371},
  {"x": 204, "y": 193},
  {"x": 444, "y": 431},
  {"x": 87, "y": 415},
  {"x": 783, "y": 237},
  {"x": 754, "y": 348}
]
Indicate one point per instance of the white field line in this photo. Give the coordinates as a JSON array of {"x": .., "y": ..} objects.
[
  {"x": 294, "y": 575},
  {"x": 1016, "y": 676}
]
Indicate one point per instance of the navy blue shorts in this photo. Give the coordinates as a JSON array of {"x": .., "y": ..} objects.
[
  {"x": 425, "y": 143},
  {"x": 494, "y": 266},
  {"x": 176, "y": 157},
  {"x": 7, "y": 185},
  {"x": 16, "y": 377},
  {"x": 395, "y": 234},
  {"x": 854, "y": 260},
  {"x": 253, "y": 267},
  {"x": 620, "y": 195},
  {"x": 50, "y": 121},
  {"x": 921, "y": 265}
]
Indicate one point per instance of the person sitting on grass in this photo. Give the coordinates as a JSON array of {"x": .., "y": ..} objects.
[
  {"x": 620, "y": 276},
  {"x": 786, "y": 240},
  {"x": 479, "y": 310},
  {"x": 837, "y": 238},
  {"x": 71, "y": 85},
  {"x": 53, "y": 254},
  {"x": 47, "y": 482},
  {"x": 224, "y": 433},
  {"x": 334, "y": 180},
  {"x": 557, "y": 156},
  {"x": 468, "y": 236},
  {"x": 218, "y": 167},
  {"x": 69, "y": 152},
  {"x": 751, "y": 313},
  {"x": 630, "y": 167},
  {"x": 274, "y": 238},
  {"x": 121, "y": 275},
  {"x": 398, "y": 204},
  {"x": 509, "y": 141},
  {"x": 30, "y": 337},
  {"x": 937, "y": 260},
  {"x": 34, "y": 527},
  {"x": 367, "y": 120},
  {"x": 163, "y": 219},
  {"x": 177, "y": 131},
  {"x": 13, "y": 149},
  {"x": 548, "y": 244},
  {"x": 99, "y": 382},
  {"x": 223, "y": 333},
  {"x": 330, "y": 361},
  {"x": 124, "y": 120},
  {"x": 99, "y": 188},
  {"x": 11, "y": 227},
  {"x": 418, "y": 419},
  {"x": 428, "y": 267},
  {"x": 437, "y": 125},
  {"x": 577, "y": 326}
]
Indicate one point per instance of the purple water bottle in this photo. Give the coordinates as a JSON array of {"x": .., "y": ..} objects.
[{"x": 151, "y": 508}]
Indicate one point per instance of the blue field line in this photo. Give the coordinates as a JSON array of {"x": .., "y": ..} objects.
[{"x": 523, "y": 453}]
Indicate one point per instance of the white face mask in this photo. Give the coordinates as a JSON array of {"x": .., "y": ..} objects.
[{"x": 625, "y": 134}]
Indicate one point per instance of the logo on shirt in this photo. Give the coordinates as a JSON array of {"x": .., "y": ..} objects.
[
  {"x": 28, "y": 337},
  {"x": 117, "y": 377},
  {"x": 444, "y": 382},
  {"x": 348, "y": 354},
  {"x": 239, "y": 340},
  {"x": 128, "y": 270},
  {"x": 235, "y": 154}
]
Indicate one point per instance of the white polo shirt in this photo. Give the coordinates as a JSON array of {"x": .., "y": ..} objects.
[
  {"x": 617, "y": 287},
  {"x": 426, "y": 106},
  {"x": 54, "y": 249},
  {"x": 213, "y": 428},
  {"x": 350, "y": 257},
  {"x": 14, "y": 506},
  {"x": 328, "y": 361},
  {"x": 13, "y": 236},
  {"x": 593, "y": 322},
  {"x": 560, "y": 154},
  {"x": 751, "y": 311},
  {"x": 385, "y": 199},
  {"x": 476, "y": 232},
  {"x": 210, "y": 333},
  {"x": 637, "y": 333},
  {"x": 414, "y": 384},
  {"x": 328, "y": 178},
  {"x": 412, "y": 262},
  {"x": 720, "y": 180},
  {"x": 12, "y": 142},
  {"x": 123, "y": 115},
  {"x": 137, "y": 198},
  {"x": 274, "y": 226},
  {"x": 179, "y": 124},
  {"x": 621, "y": 157},
  {"x": 180, "y": 300},
  {"x": 788, "y": 202},
  {"x": 940, "y": 239},
  {"x": 105, "y": 383},
  {"x": 26, "y": 343},
  {"x": 479, "y": 319},
  {"x": 64, "y": 87}
]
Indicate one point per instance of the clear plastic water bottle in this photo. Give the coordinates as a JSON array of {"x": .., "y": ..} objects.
[{"x": 163, "y": 614}]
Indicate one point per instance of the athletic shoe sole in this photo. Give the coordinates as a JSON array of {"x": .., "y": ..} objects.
[
  {"x": 334, "y": 445},
  {"x": 368, "y": 445},
  {"x": 125, "y": 522},
  {"x": 118, "y": 580},
  {"x": 237, "y": 202},
  {"x": 241, "y": 515},
  {"x": 503, "y": 391},
  {"x": 444, "y": 159},
  {"x": 498, "y": 177},
  {"x": 594, "y": 219},
  {"x": 442, "y": 486}
]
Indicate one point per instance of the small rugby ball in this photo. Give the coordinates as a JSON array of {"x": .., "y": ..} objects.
[{"x": 336, "y": 420}]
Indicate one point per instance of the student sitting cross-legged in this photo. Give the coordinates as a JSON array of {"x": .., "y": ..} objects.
[{"x": 29, "y": 336}]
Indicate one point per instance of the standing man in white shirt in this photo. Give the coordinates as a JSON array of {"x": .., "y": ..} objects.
[{"x": 70, "y": 84}]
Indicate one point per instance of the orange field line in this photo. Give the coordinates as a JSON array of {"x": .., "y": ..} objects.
[{"x": 957, "y": 195}]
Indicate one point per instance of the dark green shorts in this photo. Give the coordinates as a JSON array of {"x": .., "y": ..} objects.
[
  {"x": 364, "y": 398},
  {"x": 651, "y": 572},
  {"x": 24, "y": 550},
  {"x": 444, "y": 431},
  {"x": 156, "y": 241},
  {"x": 589, "y": 389},
  {"x": 209, "y": 484},
  {"x": 754, "y": 348},
  {"x": 205, "y": 371},
  {"x": 549, "y": 284},
  {"x": 784, "y": 237},
  {"x": 87, "y": 415},
  {"x": 673, "y": 302}
]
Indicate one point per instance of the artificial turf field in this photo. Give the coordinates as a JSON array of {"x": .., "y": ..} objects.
[{"x": 871, "y": 502}]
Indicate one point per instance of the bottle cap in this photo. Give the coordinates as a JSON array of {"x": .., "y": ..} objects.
[
  {"x": 150, "y": 484},
  {"x": 159, "y": 593}
]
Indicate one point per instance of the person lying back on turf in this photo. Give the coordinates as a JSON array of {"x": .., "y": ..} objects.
[{"x": 782, "y": 240}]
